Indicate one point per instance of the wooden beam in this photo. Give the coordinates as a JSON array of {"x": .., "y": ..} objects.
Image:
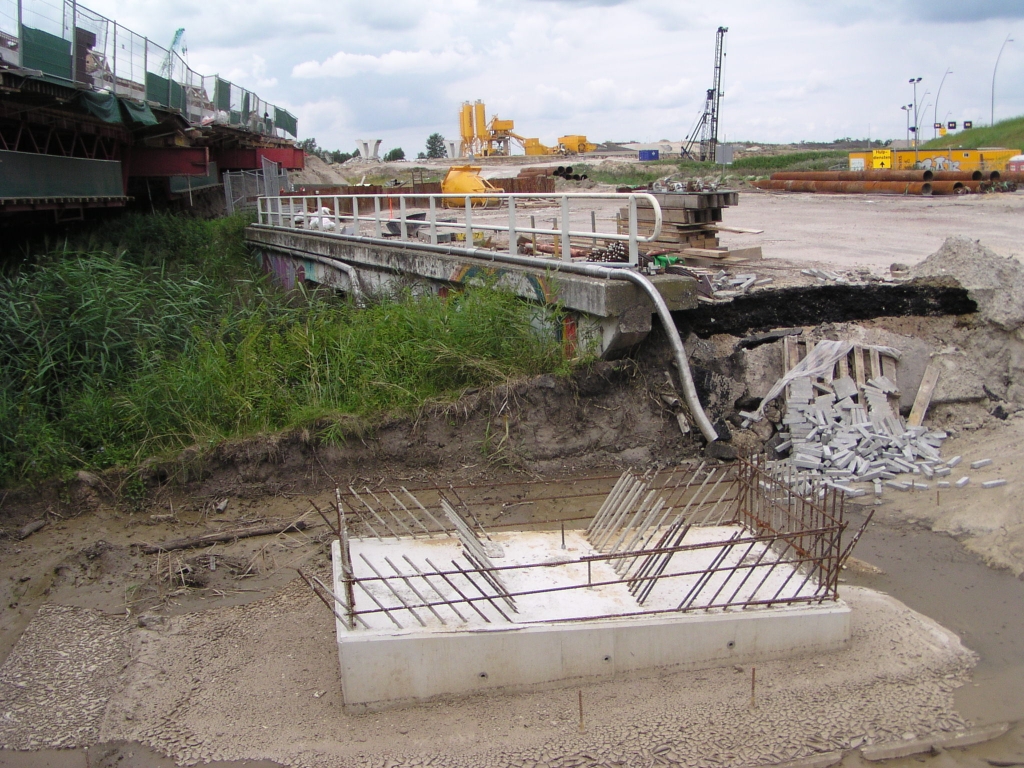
[{"x": 924, "y": 395}]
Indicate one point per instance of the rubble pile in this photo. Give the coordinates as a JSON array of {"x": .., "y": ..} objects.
[{"x": 835, "y": 434}]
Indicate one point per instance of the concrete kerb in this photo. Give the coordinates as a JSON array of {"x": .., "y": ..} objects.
[
  {"x": 893, "y": 750},
  {"x": 967, "y": 738}
]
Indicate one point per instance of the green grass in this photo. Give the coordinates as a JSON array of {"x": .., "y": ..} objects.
[
  {"x": 793, "y": 161},
  {"x": 1006, "y": 133},
  {"x": 639, "y": 174},
  {"x": 166, "y": 337}
]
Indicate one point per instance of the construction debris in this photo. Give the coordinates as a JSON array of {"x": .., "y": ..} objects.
[{"x": 689, "y": 231}]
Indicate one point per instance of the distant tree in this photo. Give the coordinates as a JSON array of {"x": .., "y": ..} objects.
[
  {"x": 340, "y": 157},
  {"x": 394, "y": 154},
  {"x": 309, "y": 146},
  {"x": 435, "y": 146},
  {"x": 421, "y": 156}
]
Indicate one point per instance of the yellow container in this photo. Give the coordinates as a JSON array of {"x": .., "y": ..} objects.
[
  {"x": 983, "y": 159},
  {"x": 464, "y": 180}
]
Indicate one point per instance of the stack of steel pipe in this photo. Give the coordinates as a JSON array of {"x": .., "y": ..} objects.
[{"x": 881, "y": 182}]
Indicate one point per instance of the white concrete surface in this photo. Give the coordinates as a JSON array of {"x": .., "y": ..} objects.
[{"x": 561, "y": 636}]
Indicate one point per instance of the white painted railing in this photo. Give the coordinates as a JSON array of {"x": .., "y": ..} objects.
[{"x": 404, "y": 217}]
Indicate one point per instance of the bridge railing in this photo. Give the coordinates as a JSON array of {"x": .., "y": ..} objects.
[{"x": 437, "y": 219}]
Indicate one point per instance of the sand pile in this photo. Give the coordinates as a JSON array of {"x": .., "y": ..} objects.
[{"x": 996, "y": 283}]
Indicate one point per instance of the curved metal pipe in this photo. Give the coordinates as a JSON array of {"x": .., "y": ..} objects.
[
  {"x": 345, "y": 267},
  {"x": 587, "y": 270}
]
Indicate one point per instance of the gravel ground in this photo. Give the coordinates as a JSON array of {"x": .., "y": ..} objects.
[
  {"x": 261, "y": 681},
  {"x": 57, "y": 683}
]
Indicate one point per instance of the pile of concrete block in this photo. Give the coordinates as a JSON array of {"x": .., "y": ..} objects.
[{"x": 837, "y": 433}]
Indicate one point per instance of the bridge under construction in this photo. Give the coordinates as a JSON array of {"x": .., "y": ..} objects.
[{"x": 94, "y": 115}]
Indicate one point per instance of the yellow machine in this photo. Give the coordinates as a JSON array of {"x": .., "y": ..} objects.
[
  {"x": 984, "y": 159},
  {"x": 464, "y": 180},
  {"x": 495, "y": 139},
  {"x": 576, "y": 145}
]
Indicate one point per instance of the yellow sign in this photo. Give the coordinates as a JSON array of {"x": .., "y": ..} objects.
[
  {"x": 942, "y": 131},
  {"x": 881, "y": 158}
]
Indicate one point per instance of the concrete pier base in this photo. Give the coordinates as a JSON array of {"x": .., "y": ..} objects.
[{"x": 381, "y": 671}]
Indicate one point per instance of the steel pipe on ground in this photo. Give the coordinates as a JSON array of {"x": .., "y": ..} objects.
[
  {"x": 850, "y": 187},
  {"x": 961, "y": 175},
  {"x": 955, "y": 187},
  {"x": 873, "y": 175}
]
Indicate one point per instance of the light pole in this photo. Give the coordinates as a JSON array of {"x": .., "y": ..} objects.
[
  {"x": 992, "y": 116},
  {"x": 914, "y": 81},
  {"x": 907, "y": 109},
  {"x": 935, "y": 112}
]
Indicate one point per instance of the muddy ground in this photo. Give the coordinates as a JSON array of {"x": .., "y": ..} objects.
[{"x": 221, "y": 653}]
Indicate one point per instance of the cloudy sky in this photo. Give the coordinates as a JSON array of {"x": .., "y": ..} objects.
[{"x": 610, "y": 69}]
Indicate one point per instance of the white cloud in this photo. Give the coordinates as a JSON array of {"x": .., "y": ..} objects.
[
  {"x": 639, "y": 69},
  {"x": 343, "y": 64}
]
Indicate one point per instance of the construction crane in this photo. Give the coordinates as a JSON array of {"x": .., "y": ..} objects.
[
  {"x": 177, "y": 44},
  {"x": 706, "y": 130}
]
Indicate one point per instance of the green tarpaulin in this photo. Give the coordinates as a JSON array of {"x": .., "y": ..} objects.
[
  {"x": 286, "y": 120},
  {"x": 101, "y": 105},
  {"x": 138, "y": 113},
  {"x": 30, "y": 175},
  {"x": 222, "y": 95},
  {"x": 46, "y": 52},
  {"x": 164, "y": 91}
]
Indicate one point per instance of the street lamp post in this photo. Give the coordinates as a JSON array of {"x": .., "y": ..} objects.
[
  {"x": 906, "y": 108},
  {"x": 935, "y": 112},
  {"x": 914, "y": 81},
  {"x": 992, "y": 116}
]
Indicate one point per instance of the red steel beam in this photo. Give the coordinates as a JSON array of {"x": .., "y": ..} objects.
[
  {"x": 291, "y": 158},
  {"x": 167, "y": 161}
]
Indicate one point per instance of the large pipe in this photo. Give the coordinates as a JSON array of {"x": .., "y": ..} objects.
[
  {"x": 874, "y": 175},
  {"x": 960, "y": 175},
  {"x": 955, "y": 187},
  {"x": 587, "y": 270},
  {"x": 849, "y": 187}
]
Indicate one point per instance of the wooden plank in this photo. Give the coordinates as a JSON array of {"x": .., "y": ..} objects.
[
  {"x": 844, "y": 366},
  {"x": 876, "y": 363},
  {"x": 788, "y": 353},
  {"x": 858, "y": 372},
  {"x": 738, "y": 230},
  {"x": 889, "y": 368},
  {"x": 749, "y": 254},
  {"x": 924, "y": 395}
]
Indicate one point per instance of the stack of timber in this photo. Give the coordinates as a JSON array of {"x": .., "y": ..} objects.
[{"x": 690, "y": 226}]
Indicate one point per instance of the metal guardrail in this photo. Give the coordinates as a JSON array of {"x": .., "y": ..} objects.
[{"x": 404, "y": 218}]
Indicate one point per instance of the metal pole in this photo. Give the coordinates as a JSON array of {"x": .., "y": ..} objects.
[
  {"x": 935, "y": 112},
  {"x": 566, "y": 246},
  {"x": 115, "y": 59},
  {"x": 992, "y": 116},
  {"x": 469, "y": 222},
  {"x": 74, "y": 41},
  {"x": 513, "y": 247},
  {"x": 401, "y": 212},
  {"x": 634, "y": 251},
  {"x": 433, "y": 221}
]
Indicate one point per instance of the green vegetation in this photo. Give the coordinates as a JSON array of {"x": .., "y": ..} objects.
[
  {"x": 638, "y": 174},
  {"x": 392, "y": 155},
  {"x": 161, "y": 334},
  {"x": 1006, "y": 133},
  {"x": 794, "y": 161}
]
